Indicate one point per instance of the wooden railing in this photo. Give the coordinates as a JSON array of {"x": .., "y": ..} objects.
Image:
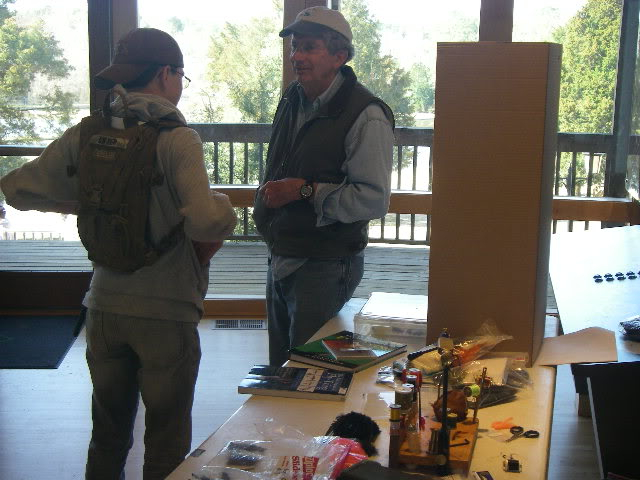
[
  {"x": 229, "y": 143},
  {"x": 235, "y": 155}
]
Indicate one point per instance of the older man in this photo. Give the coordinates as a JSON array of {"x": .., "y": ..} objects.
[{"x": 328, "y": 173}]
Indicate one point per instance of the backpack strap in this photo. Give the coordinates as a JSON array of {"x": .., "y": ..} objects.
[
  {"x": 89, "y": 126},
  {"x": 172, "y": 238}
]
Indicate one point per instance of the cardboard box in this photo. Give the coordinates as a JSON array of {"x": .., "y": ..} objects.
[{"x": 495, "y": 139}]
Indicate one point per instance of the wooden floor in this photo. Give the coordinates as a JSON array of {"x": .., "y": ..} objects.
[{"x": 240, "y": 267}]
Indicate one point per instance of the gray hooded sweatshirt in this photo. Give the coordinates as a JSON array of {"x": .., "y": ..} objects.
[{"x": 173, "y": 288}]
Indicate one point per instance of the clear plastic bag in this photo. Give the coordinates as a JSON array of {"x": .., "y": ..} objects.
[
  {"x": 502, "y": 385},
  {"x": 465, "y": 350},
  {"x": 630, "y": 328},
  {"x": 288, "y": 454}
]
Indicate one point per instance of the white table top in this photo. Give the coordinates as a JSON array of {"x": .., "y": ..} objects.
[
  {"x": 575, "y": 258},
  {"x": 533, "y": 410}
]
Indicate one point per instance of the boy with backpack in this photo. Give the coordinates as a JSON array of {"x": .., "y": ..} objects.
[{"x": 135, "y": 176}]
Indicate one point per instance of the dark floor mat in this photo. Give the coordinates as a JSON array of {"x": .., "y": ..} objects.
[{"x": 36, "y": 341}]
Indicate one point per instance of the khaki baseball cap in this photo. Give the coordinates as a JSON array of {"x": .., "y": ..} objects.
[
  {"x": 137, "y": 51},
  {"x": 311, "y": 20}
]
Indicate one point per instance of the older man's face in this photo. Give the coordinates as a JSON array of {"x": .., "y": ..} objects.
[{"x": 314, "y": 66}]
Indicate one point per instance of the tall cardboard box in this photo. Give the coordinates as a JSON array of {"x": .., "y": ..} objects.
[{"x": 495, "y": 139}]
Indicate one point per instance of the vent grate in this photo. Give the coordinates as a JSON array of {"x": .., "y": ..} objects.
[{"x": 237, "y": 324}]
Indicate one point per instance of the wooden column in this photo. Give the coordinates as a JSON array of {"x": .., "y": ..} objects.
[
  {"x": 496, "y": 20},
  {"x": 124, "y": 18},
  {"x": 99, "y": 26},
  {"x": 108, "y": 21},
  {"x": 291, "y": 9}
]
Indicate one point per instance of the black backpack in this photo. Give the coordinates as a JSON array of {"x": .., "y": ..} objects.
[{"x": 116, "y": 173}]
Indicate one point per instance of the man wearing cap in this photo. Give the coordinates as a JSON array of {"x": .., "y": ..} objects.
[
  {"x": 142, "y": 335},
  {"x": 327, "y": 174}
]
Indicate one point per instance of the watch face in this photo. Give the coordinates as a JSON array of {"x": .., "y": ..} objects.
[{"x": 306, "y": 190}]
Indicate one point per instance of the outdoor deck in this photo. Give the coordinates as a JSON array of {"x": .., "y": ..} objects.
[{"x": 239, "y": 268}]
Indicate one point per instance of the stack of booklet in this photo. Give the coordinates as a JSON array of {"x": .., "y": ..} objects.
[
  {"x": 296, "y": 382},
  {"x": 346, "y": 351}
]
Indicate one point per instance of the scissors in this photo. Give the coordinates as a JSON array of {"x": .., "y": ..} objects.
[{"x": 518, "y": 432}]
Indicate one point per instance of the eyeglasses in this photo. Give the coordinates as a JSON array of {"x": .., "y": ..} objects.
[{"x": 185, "y": 80}]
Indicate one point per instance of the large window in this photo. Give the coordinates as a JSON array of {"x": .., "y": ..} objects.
[
  {"x": 44, "y": 88},
  {"x": 44, "y": 81},
  {"x": 633, "y": 166},
  {"x": 232, "y": 54}
]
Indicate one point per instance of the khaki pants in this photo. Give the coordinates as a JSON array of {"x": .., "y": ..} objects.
[{"x": 133, "y": 356}]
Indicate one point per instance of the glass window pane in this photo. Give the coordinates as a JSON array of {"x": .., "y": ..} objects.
[
  {"x": 44, "y": 89},
  {"x": 231, "y": 54},
  {"x": 539, "y": 21},
  {"x": 589, "y": 32},
  {"x": 633, "y": 166},
  {"x": 44, "y": 84},
  {"x": 396, "y": 46}
]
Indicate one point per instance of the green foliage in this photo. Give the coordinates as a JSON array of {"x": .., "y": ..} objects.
[
  {"x": 245, "y": 60},
  {"x": 246, "y": 65},
  {"x": 380, "y": 73},
  {"x": 587, "y": 91},
  {"x": 590, "y": 55},
  {"x": 423, "y": 88},
  {"x": 26, "y": 52},
  {"x": 4, "y": 9}
]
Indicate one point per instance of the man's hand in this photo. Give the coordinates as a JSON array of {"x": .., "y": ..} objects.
[
  {"x": 206, "y": 250},
  {"x": 277, "y": 193}
]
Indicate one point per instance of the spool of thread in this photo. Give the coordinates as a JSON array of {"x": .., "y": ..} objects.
[
  {"x": 452, "y": 419},
  {"x": 404, "y": 397},
  {"x": 394, "y": 412},
  {"x": 433, "y": 442},
  {"x": 394, "y": 434},
  {"x": 418, "y": 373},
  {"x": 413, "y": 380},
  {"x": 471, "y": 390}
]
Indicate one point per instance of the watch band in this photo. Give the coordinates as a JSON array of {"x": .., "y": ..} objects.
[{"x": 306, "y": 190}]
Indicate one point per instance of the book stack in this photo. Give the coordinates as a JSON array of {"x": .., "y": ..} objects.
[{"x": 346, "y": 351}]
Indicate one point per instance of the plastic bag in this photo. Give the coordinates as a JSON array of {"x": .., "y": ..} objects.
[
  {"x": 485, "y": 339},
  {"x": 287, "y": 455},
  {"x": 631, "y": 328},
  {"x": 508, "y": 379},
  {"x": 466, "y": 349}
]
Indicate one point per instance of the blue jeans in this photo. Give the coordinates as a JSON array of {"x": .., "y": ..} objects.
[
  {"x": 132, "y": 356},
  {"x": 299, "y": 304}
]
